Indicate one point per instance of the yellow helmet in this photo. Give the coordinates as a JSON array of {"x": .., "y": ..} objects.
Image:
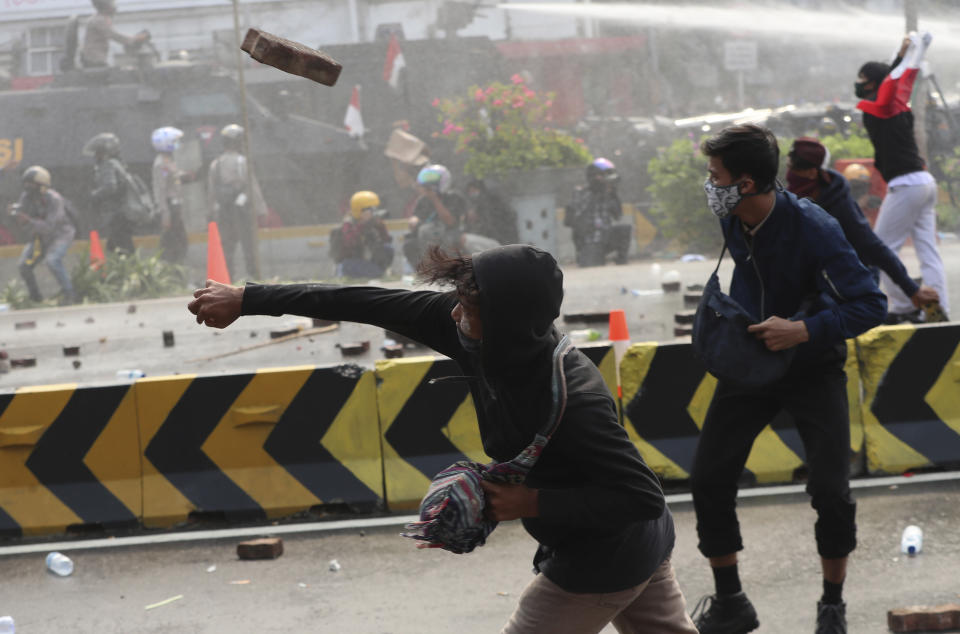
[
  {"x": 363, "y": 200},
  {"x": 37, "y": 175},
  {"x": 856, "y": 172}
]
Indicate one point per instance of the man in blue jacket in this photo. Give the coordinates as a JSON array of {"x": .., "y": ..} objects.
[
  {"x": 789, "y": 254},
  {"x": 808, "y": 178}
]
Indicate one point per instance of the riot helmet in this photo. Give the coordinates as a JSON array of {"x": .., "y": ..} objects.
[
  {"x": 36, "y": 178},
  {"x": 361, "y": 201},
  {"x": 436, "y": 177},
  {"x": 856, "y": 172},
  {"x": 104, "y": 144},
  {"x": 602, "y": 172},
  {"x": 166, "y": 139},
  {"x": 232, "y": 137}
]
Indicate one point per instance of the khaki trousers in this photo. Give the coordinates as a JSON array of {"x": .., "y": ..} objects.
[{"x": 656, "y": 606}]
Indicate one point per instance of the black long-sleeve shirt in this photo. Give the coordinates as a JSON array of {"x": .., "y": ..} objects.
[{"x": 603, "y": 525}]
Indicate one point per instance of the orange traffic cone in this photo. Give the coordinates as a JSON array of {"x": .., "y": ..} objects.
[
  {"x": 96, "y": 251},
  {"x": 621, "y": 341},
  {"x": 216, "y": 263}
]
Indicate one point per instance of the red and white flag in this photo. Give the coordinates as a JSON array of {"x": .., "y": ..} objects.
[
  {"x": 394, "y": 63},
  {"x": 353, "y": 120}
]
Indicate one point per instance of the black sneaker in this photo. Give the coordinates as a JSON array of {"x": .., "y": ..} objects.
[
  {"x": 725, "y": 614},
  {"x": 831, "y": 618}
]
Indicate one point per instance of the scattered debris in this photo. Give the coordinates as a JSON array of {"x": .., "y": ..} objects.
[
  {"x": 335, "y": 565},
  {"x": 684, "y": 317},
  {"x": 920, "y": 618},
  {"x": 353, "y": 348},
  {"x": 692, "y": 257},
  {"x": 76, "y": 364},
  {"x": 240, "y": 582},
  {"x": 25, "y": 325},
  {"x": 164, "y": 602},
  {"x": 60, "y": 324},
  {"x": 501, "y": 593},
  {"x": 302, "y": 333},
  {"x": 263, "y": 548},
  {"x": 302, "y": 585},
  {"x": 88, "y": 320},
  {"x": 71, "y": 351},
  {"x": 253, "y": 334},
  {"x": 132, "y": 308},
  {"x": 168, "y": 340},
  {"x": 23, "y": 362},
  {"x": 641, "y": 292},
  {"x": 692, "y": 298},
  {"x": 392, "y": 350},
  {"x": 588, "y": 317},
  {"x": 212, "y": 568},
  {"x": 279, "y": 334}
]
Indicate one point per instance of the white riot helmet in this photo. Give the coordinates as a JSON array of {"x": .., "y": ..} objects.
[{"x": 166, "y": 139}]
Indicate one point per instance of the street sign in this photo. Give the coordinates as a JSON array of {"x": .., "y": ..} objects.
[{"x": 740, "y": 55}]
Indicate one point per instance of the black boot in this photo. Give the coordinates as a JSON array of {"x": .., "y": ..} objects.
[
  {"x": 725, "y": 614},
  {"x": 831, "y": 618}
]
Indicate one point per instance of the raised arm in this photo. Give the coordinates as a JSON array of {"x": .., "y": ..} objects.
[{"x": 420, "y": 315}]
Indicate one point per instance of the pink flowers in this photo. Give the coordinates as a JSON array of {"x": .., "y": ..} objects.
[
  {"x": 498, "y": 102},
  {"x": 518, "y": 102},
  {"x": 435, "y": 102},
  {"x": 517, "y": 79},
  {"x": 479, "y": 95}
]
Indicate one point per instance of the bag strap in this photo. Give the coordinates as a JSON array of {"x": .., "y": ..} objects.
[
  {"x": 722, "y": 251},
  {"x": 527, "y": 458}
]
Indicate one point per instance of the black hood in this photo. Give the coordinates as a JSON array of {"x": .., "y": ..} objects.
[
  {"x": 834, "y": 189},
  {"x": 521, "y": 289}
]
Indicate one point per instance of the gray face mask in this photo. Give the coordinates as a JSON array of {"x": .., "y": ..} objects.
[
  {"x": 723, "y": 199},
  {"x": 469, "y": 344}
]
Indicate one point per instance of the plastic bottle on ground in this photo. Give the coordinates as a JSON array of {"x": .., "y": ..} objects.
[
  {"x": 60, "y": 564},
  {"x": 6, "y": 625},
  {"x": 130, "y": 374},
  {"x": 912, "y": 541},
  {"x": 585, "y": 334}
]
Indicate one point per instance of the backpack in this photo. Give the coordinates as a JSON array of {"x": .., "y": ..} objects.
[{"x": 138, "y": 205}]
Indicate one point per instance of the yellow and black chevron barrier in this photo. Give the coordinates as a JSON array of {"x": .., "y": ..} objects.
[
  {"x": 282, "y": 440},
  {"x": 68, "y": 456},
  {"x": 911, "y": 396},
  {"x": 666, "y": 394},
  {"x": 272, "y": 443}
]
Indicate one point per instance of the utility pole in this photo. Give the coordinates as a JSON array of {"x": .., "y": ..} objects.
[
  {"x": 920, "y": 97},
  {"x": 246, "y": 139}
]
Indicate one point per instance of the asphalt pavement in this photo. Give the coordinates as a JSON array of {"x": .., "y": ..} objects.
[{"x": 385, "y": 585}]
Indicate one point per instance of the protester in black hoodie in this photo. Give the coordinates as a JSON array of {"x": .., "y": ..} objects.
[
  {"x": 595, "y": 508},
  {"x": 830, "y": 190}
]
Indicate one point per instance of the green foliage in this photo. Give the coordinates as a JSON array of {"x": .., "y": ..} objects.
[
  {"x": 128, "y": 276},
  {"x": 15, "y": 295},
  {"x": 854, "y": 145},
  {"x": 948, "y": 214},
  {"x": 679, "y": 208},
  {"x": 505, "y": 128}
]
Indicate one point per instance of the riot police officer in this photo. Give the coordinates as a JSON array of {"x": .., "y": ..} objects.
[
  {"x": 109, "y": 190},
  {"x": 594, "y": 217},
  {"x": 50, "y": 231}
]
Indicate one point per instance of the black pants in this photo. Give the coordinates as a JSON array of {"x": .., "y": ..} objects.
[
  {"x": 614, "y": 239},
  {"x": 119, "y": 232},
  {"x": 817, "y": 400},
  {"x": 173, "y": 241},
  {"x": 237, "y": 227}
]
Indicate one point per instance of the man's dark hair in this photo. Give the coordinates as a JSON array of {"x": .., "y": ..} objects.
[
  {"x": 438, "y": 267},
  {"x": 746, "y": 149},
  {"x": 875, "y": 71}
]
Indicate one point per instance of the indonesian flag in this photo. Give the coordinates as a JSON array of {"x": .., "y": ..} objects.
[
  {"x": 394, "y": 63},
  {"x": 352, "y": 120}
]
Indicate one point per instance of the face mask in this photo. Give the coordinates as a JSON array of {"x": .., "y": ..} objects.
[
  {"x": 860, "y": 89},
  {"x": 801, "y": 186},
  {"x": 723, "y": 200},
  {"x": 469, "y": 344}
]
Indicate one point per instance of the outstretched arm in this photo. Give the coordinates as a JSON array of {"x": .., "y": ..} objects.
[{"x": 420, "y": 315}]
